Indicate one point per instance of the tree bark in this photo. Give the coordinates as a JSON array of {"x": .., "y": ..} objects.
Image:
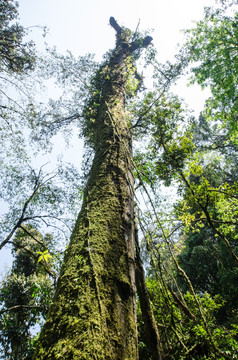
[
  {"x": 93, "y": 315},
  {"x": 152, "y": 334}
]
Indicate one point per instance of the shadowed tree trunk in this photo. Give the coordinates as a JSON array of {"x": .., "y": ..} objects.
[
  {"x": 93, "y": 315},
  {"x": 152, "y": 335}
]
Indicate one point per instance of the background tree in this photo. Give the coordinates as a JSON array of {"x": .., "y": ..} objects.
[
  {"x": 214, "y": 44},
  {"x": 25, "y": 294},
  {"x": 200, "y": 158},
  {"x": 213, "y": 174},
  {"x": 17, "y": 59},
  {"x": 29, "y": 195},
  {"x": 16, "y": 56}
]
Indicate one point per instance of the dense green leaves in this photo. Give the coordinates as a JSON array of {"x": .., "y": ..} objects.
[
  {"x": 25, "y": 295},
  {"x": 185, "y": 335},
  {"x": 192, "y": 245},
  {"x": 16, "y": 56},
  {"x": 212, "y": 46}
]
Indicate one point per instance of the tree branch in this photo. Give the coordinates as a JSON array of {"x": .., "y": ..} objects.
[
  {"x": 31, "y": 254},
  {"x": 115, "y": 25},
  {"x": 16, "y": 307}
]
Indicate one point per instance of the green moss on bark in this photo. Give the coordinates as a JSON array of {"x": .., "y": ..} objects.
[
  {"x": 93, "y": 315},
  {"x": 93, "y": 311}
]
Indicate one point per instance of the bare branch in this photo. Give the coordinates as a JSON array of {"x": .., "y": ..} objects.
[
  {"x": 18, "y": 307},
  {"x": 115, "y": 25},
  {"x": 32, "y": 236}
]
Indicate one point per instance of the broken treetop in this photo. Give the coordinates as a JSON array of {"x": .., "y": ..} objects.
[{"x": 123, "y": 35}]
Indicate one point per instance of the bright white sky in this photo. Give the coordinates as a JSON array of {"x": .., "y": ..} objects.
[{"x": 82, "y": 26}]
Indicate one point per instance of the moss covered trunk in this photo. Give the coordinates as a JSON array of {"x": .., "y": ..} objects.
[{"x": 93, "y": 315}]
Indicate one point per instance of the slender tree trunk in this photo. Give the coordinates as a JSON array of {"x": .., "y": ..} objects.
[
  {"x": 93, "y": 315},
  {"x": 152, "y": 334}
]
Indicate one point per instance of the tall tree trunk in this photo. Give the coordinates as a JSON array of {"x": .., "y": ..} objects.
[{"x": 93, "y": 315}]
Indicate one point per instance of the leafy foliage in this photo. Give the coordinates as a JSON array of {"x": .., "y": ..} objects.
[
  {"x": 16, "y": 56},
  {"x": 213, "y": 44},
  {"x": 25, "y": 295},
  {"x": 193, "y": 245},
  {"x": 39, "y": 199},
  {"x": 186, "y": 337}
]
